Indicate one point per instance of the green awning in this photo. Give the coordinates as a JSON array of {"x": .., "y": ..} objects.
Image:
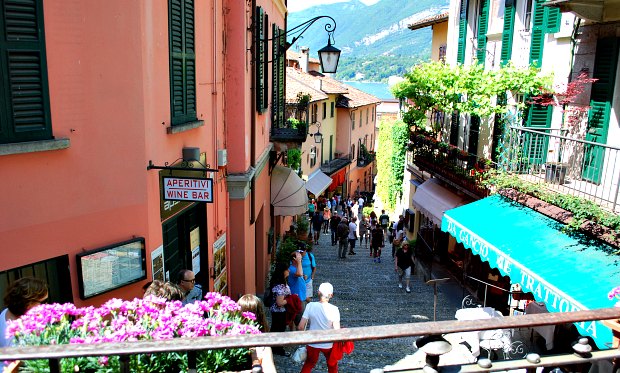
[{"x": 568, "y": 272}]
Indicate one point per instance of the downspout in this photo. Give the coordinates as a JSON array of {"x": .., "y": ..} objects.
[{"x": 253, "y": 113}]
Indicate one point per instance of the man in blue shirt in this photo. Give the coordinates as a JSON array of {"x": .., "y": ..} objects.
[
  {"x": 296, "y": 276},
  {"x": 308, "y": 264}
]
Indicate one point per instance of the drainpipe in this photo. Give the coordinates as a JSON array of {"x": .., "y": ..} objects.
[{"x": 253, "y": 115}]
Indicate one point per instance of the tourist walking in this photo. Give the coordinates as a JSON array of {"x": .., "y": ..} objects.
[
  {"x": 308, "y": 264},
  {"x": 333, "y": 227},
  {"x": 384, "y": 221},
  {"x": 317, "y": 224},
  {"x": 376, "y": 242},
  {"x": 352, "y": 235},
  {"x": 327, "y": 214},
  {"x": 343, "y": 235},
  {"x": 363, "y": 229},
  {"x": 279, "y": 291},
  {"x": 403, "y": 265},
  {"x": 320, "y": 315},
  {"x": 296, "y": 281}
]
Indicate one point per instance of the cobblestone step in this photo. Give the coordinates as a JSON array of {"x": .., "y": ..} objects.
[{"x": 367, "y": 294}]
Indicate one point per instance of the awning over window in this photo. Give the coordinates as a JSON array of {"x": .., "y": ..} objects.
[
  {"x": 432, "y": 199},
  {"x": 567, "y": 272},
  {"x": 288, "y": 192},
  {"x": 318, "y": 182}
]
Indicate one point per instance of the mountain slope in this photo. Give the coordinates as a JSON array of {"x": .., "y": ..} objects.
[{"x": 379, "y": 29}]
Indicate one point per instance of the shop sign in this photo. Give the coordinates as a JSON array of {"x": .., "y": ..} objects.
[
  {"x": 543, "y": 291},
  {"x": 188, "y": 189}
]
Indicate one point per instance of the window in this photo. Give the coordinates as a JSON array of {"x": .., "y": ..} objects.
[
  {"x": 315, "y": 110},
  {"x": 261, "y": 35},
  {"x": 353, "y": 121},
  {"x": 324, "y": 110},
  {"x": 332, "y": 109},
  {"x": 182, "y": 61},
  {"x": 278, "y": 92},
  {"x": 527, "y": 20},
  {"x": 361, "y": 119},
  {"x": 313, "y": 156},
  {"x": 352, "y": 155},
  {"x": 367, "y": 112},
  {"x": 24, "y": 103}
]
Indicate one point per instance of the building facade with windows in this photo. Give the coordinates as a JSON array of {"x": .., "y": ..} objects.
[{"x": 106, "y": 104}]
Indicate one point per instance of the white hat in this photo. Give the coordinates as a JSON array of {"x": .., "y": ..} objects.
[{"x": 326, "y": 289}]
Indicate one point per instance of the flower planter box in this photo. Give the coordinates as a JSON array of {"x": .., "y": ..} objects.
[{"x": 614, "y": 325}]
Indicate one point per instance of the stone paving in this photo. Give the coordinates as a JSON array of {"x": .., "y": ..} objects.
[{"x": 367, "y": 294}]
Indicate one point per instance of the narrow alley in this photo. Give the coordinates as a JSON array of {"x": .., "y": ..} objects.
[{"x": 367, "y": 294}]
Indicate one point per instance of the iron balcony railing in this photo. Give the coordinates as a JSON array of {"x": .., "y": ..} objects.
[
  {"x": 190, "y": 346},
  {"x": 336, "y": 164},
  {"x": 365, "y": 160},
  {"x": 564, "y": 164},
  {"x": 454, "y": 166},
  {"x": 294, "y": 128}
]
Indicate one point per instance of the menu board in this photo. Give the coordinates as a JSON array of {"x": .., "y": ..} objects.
[{"x": 111, "y": 267}]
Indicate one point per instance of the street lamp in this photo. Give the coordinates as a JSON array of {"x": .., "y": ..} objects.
[
  {"x": 328, "y": 55},
  {"x": 318, "y": 136}
]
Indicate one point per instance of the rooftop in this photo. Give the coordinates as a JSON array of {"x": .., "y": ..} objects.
[{"x": 429, "y": 21}]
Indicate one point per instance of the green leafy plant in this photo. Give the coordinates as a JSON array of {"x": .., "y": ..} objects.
[
  {"x": 294, "y": 158},
  {"x": 393, "y": 139}
]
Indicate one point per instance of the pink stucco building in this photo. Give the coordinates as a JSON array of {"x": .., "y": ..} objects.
[{"x": 94, "y": 94}]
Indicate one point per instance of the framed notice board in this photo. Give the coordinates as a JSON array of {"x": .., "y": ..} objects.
[{"x": 111, "y": 267}]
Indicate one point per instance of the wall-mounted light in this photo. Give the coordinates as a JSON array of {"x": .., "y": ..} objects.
[{"x": 318, "y": 136}]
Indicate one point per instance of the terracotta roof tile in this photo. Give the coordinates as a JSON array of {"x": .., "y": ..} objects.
[
  {"x": 429, "y": 21},
  {"x": 291, "y": 55},
  {"x": 294, "y": 86}
]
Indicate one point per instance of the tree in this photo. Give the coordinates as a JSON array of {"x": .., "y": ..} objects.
[{"x": 393, "y": 137}]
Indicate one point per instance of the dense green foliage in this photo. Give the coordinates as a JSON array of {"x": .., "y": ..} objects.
[
  {"x": 376, "y": 68},
  {"x": 294, "y": 158},
  {"x": 581, "y": 208},
  {"x": 393, "y": 137},
  {"x": 467, "y": 89}
]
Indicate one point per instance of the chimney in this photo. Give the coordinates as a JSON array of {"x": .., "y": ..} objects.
[{"x": 304, "y": 59}]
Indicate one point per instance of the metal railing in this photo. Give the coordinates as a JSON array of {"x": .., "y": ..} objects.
[
  {"x": 191, "y": 346},
  {"x": 564, "y": 164},
  {"x": 335, "y": 164}
]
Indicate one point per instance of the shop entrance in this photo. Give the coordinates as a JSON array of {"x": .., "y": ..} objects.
[{"x": 185, "y": 243}]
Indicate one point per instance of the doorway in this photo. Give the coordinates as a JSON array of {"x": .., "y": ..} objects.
[{"x": 185, "y": 244}]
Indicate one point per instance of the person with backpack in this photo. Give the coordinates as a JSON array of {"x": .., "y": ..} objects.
[
  {"x": 308, "y": 265},
  {"x": 384, "y": 221},
  {"x": 343, "y": 234},
  {"x": 376, "y": 242},
  {"x": 333, "y": 227}
]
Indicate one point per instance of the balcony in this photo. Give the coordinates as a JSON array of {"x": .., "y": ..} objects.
[
  {"x": 565, "y": 165},
  {"x": 450, "y": 164},
  {"x": 294, "y": 129},
  {"x": 335, "y": 164},
  {"x": 364, "y": 160}
]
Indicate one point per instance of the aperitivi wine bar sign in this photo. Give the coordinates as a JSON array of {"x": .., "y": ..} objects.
[{"x": 188, "y": 189}]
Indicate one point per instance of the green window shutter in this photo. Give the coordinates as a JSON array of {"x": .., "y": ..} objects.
[
  {"x": 538, "y": 34},
  {"x": 261, "y": 36},
  {"x": 508, "y": 31},
  {"x": 24, "y": 106},
  {"x": 278, "y": 78},
  {"x": 552, "y": 19},
  {"x": 605, "y": 66},
  {"x": 535, "y": 145},
  {"x": 182, "y": 61},
  {"x": 460, "y": 53},
  {"x": 483, "y": 24}
]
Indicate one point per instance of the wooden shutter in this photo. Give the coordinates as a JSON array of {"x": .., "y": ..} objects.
[
  {"x": 24, "y": 106},
  {"x": 460, "y": 53},
  {"x": 278, "y": 78},
  {"x": 261, "y": 43},
  {"x": 538, "y": 34},
  {"x": 483, "y": 24},
  {"x": 536, "y": 145},
  {"x": 474, "y": 135},
  {"x": 182, "y": 61},
  {"x": 605, "y": 67},
  {"x": 552, "y": 19},
  {"x": 508, "y": 31}
]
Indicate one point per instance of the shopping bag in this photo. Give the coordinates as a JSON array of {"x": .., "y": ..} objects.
[{"x": 300, "y": 355}]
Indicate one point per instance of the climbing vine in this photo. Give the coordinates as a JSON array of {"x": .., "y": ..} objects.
[
  {"x": 393, "y": 137},
  {"x": 468, "y": 89}
]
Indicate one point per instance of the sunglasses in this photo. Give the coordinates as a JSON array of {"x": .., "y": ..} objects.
[{"x": 192, "y": 280}]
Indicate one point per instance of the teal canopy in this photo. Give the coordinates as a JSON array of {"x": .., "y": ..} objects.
[{"x": 568, "y": 272}]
